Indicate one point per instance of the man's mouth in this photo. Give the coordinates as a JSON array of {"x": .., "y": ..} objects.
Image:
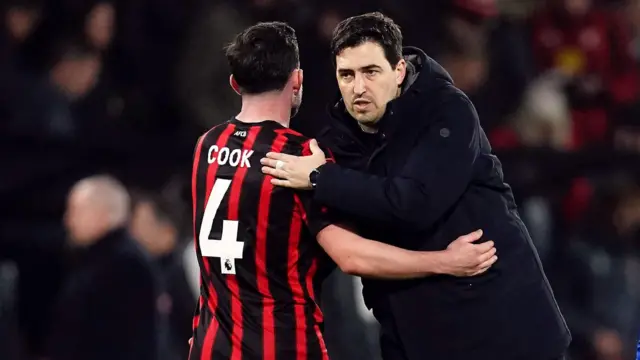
[{"x": 361, "y": 104}]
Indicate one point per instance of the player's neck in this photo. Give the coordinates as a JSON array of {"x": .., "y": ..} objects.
[{"x": 257, "y": 108}]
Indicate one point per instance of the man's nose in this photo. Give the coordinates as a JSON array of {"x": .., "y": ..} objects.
[{"x": 359, "y": 85}]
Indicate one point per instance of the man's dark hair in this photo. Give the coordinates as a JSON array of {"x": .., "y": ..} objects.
[
  {"x": 375, "y": 27},
  {"x": 262, "y": 57}
]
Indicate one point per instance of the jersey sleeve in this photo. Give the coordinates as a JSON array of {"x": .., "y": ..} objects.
[{"x": 316, "y": 216}]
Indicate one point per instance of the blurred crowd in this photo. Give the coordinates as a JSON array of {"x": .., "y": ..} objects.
[{"x": 101, "y": 102}]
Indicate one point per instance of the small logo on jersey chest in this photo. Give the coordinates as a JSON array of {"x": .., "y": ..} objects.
[{"x": 240, "y": 133}]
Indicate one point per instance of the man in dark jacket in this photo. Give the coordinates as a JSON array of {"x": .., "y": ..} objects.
[
  {"x": 107, "y": 308},
  {"x": 416, "y": 165}
]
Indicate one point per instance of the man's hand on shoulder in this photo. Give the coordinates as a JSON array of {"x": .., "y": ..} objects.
[
  {"x": 293, "y": 171},
  {"x": 465, "y": 258}
]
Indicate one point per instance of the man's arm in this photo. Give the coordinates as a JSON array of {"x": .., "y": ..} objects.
[
  {"x": 435, "y": 175},
  {"x": 356, "y": 255},
  {"x": 359, "y": 256}
]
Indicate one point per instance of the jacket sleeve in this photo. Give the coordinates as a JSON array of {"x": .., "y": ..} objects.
[{"x": 435, "y": 174}]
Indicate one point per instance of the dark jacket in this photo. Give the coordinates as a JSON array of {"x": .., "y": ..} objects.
[
  {"x": 432, "y": 178},
  {"x": 107, "y": 308}
]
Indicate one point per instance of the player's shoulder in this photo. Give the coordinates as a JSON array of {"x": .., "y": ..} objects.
[
  {"x": 301, "y": 144},
  {"x": 215, "y": 131},
  {"x": 295, "y": 142}
]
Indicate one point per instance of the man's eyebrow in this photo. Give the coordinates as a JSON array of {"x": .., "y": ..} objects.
[{"x": 370, "y": 67}]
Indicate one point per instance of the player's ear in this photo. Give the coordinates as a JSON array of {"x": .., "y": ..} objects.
[
  {"x": 234, "y": 85},
  {"x": 296, "y": 78},
  {"x": 401, "y": 71}
]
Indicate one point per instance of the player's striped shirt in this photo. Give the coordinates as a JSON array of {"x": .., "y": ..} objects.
[{"x": 261, "y": 267}]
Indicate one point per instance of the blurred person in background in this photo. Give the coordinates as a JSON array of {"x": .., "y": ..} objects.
[
  {"x": 202, "y": 65},
  {"x": 99, "y": 25},
  {"x": 463, "y": 52},
  {"x": 106, "y": 103},
  {"x": 42, "y": 104},
  {"x": 18, "y": 20},
  {"x": 542, "y": 121},
  {"x": 9, "y": 341},
  {"x": 631, "y": 12},
  {"x": 39, "y": 148},
  {"x": 544, "y": 118},
  {"x": 155, "y": 225},
  {"x": 602, "y": 275},
  {"x": 106, "y": 309},
  {"x": 592, "y": 48},
  {"x": 467, "y": 70}
]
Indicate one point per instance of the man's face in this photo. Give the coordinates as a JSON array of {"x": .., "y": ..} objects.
[
  {"x": 99, "y": 25},
  {"x": 367, "y": 81},
  {"x": 81, "y": 220},
  {"x": 77, "y": 76},
  {"x": 577, "y": 7},
  {"x": 153, "y": 234}
]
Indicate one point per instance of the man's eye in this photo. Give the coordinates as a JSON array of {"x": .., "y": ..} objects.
[{"x": 371, "y": 72}]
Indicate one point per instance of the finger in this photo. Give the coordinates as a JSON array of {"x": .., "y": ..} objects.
[
  {"x": 471, "y": 237},
  {"x": 479, "y": 272},
  {"x": 315, "y": 148},
  {"x": 487, "y": 264},
  {"x": 486, "y": 256},
  {"x": 281, "y": 174},
  {"x": 282, "y": 183},
  {"x": 268, "y": 162},
  {"x": 485, "y": 246},
  {"x": 281, "y": 156}
]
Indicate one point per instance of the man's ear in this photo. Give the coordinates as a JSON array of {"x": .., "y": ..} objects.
[
  {"x": 234, "y": 85},
  {"x": 297, "y": 78},
  {"x": 401, "y": 71}
]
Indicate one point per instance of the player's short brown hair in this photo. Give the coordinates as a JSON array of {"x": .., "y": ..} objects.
[{"x": 262, "y": 57}]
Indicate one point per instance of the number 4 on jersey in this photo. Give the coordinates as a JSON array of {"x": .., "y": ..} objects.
[{"x": 228, "y": 249}]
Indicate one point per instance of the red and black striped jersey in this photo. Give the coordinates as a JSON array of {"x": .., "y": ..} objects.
[{"x": 261, "y": 266}]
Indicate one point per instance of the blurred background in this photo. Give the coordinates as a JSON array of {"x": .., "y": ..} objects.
[{"x": 123, "y": 88}]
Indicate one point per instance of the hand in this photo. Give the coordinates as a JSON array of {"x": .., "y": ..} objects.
[
  {"x": 464, "y": 258},
  {"x": 293, "y": 171}
]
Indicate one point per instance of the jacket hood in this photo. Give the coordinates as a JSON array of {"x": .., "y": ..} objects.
[{"x": 423, "y": 73}]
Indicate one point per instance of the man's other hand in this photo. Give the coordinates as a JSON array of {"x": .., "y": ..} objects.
[
  {"x": 464, "y": 258},
  {"x": 293, "y": 171}
]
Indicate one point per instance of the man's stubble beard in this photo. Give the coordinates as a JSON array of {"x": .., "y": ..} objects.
[{"x": 369, "y": 120}]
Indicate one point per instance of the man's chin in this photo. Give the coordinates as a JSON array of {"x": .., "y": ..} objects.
[{"x": 366, "y": 119}]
